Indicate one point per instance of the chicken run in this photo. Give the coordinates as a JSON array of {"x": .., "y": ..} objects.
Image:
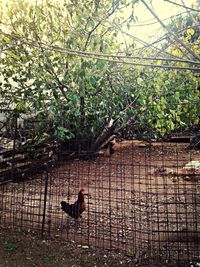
[{"x": 143, "y": 199}]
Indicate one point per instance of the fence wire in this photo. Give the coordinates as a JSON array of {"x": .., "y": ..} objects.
[{"x": 142, "y": 199}]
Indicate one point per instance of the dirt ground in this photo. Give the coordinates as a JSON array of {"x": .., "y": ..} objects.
[
  {"x": 136, "y": 199},
  {"x": 19, "y": 249}
]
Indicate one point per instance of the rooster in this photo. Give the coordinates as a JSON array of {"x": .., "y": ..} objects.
[{"x": 75, "y": 210}]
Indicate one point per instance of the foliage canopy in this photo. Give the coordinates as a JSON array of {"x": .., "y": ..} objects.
[{"x": 50, "y": 64}]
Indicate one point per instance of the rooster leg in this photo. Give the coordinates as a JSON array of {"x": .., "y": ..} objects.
[
  {"x": 66, "y": 225},
  {"x": 77, "y": 224}
]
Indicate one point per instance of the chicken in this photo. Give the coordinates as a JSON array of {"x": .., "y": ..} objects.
[{"x": 75, "y": 210}]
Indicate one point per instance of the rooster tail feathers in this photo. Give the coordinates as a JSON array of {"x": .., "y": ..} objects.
[{"x": 64, "y": 206}]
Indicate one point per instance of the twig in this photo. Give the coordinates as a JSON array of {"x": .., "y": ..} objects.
[
  {"x": 186, "y": 7},
  {"x": 171, "y": 33}
]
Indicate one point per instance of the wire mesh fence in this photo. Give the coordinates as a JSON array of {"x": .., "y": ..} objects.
[{"x": 143, "y": 199}]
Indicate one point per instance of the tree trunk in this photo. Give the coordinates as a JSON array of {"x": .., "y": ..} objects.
[{"x": 105, "y": 136}]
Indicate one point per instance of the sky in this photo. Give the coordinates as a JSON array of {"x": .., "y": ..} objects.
[{"x": 164, "y": 10}]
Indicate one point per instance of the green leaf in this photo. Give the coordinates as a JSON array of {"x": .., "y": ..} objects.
[
  {"x": 190, "y": 31},
  {"x": 100, "y": 63},
  {"x": 5, "y": 39},
  {"x": 10, "y": 246},
  {"x": 12, "y": 54}
]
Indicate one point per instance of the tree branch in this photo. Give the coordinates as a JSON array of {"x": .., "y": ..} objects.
[
  {"x": 171, "y": 33},
  {"x": 104, "y": 57},
  {"x": 61, "y": 86},
  {"x": 98, "y": 90},
  {"x": 186, "y": 7},
  {"x": 97, "y": 25}
]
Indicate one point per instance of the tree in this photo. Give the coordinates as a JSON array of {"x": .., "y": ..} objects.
[
  {"x": 64, "y": 62},
  {"x": 71, "y": 93}
]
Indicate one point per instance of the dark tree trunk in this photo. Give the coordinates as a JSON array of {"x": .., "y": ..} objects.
[{"x": 105, "y": 136}]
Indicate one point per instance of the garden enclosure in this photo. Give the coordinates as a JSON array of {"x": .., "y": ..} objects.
[{"x": 143, "y": 199}]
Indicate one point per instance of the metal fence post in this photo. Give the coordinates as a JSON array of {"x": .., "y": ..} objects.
[
  {"x": 45, "y": 202},
  {"x": 16, "y": 115}
]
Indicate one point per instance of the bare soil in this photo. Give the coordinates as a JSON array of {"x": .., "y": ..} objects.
[{"x": 20, "y": 249}]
